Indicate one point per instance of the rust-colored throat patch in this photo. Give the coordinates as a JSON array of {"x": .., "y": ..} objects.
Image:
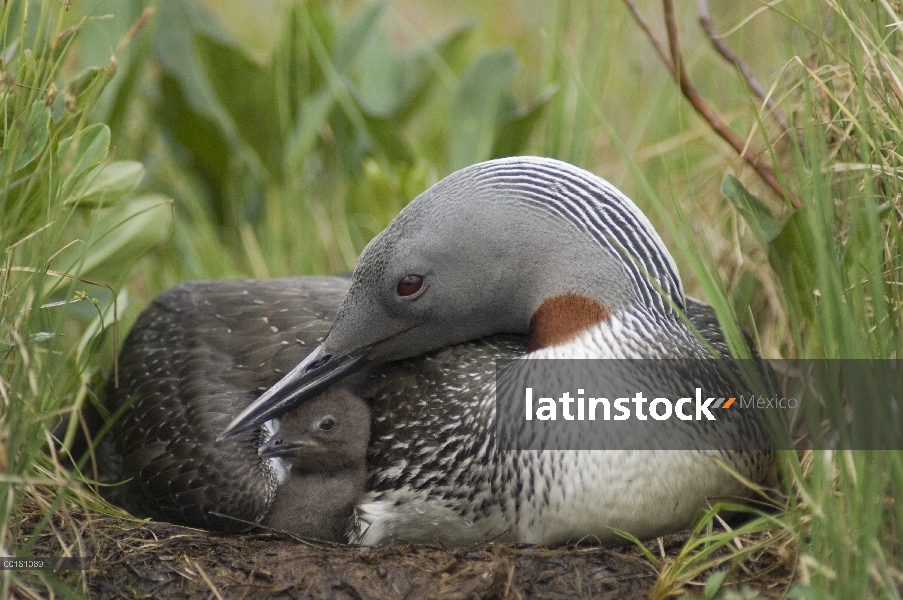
[{"x": 561, "y": 318}]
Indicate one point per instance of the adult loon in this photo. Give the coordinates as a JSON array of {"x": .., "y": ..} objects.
[{"x": 520, "y": 257}]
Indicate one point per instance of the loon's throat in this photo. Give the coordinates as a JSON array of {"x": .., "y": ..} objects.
[{"x": 561, "y": 318}]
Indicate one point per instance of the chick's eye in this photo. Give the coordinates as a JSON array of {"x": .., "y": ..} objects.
[
  {"x": 327, "y": 424},
  {"x": 410, "y": 285}
]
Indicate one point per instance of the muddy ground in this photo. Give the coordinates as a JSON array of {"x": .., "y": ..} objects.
[
  {"x": 158, "y": 560},
  {"x": 265, "y": 566}
]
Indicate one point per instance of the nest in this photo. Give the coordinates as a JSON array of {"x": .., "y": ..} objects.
[{"x": 136, "y": 559}]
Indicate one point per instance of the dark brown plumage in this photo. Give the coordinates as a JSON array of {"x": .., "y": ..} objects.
[{"x": 197, "y": 355}]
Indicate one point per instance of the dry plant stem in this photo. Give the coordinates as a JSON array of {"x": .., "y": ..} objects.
[
  {"x": 674, "y": 61},
  {"x": 715, "y": 122},
  {"x": 705, "y": 20},
  {"x": 142, "y": 20},
  {"x": 644, "y": 24}
]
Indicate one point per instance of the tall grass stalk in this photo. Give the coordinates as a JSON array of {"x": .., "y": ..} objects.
[
  {"x": 67, "y": 213},
  {"x": 838, "y": 266}
]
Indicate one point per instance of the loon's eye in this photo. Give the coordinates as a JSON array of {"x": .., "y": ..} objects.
[
  {"x": 410, "y": 285},
  {"x": 327, "y": 424}
]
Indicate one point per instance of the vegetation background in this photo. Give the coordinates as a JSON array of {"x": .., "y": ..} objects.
[{"x": 144, "y": 144}]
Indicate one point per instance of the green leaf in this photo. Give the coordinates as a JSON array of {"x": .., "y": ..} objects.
[
  {"x": 347, "y": 124},
  {"x": 121, "y": 234},
  {"x": 118, "y": 17},
  {"x": 355, "y": 37},
  {"x": 246, "y": 91},
  {"x": 79, "y": 84},
  {"x": 88, "y": 148},
  {"x": 743, "y": 295},
  {"x": 439, "y": 60},
  {"x": 713, "y": 585},
  {"x": 789, "y": 245},
  {"x": 387, "y": 136},
  {"x": 357, "y": 140},
  {"x": 187, "y": 43},
  {"x": 174, "y": 46},
  {"x": 640, "y": 546},
  {"x": 200, "y": 137},
  {"x": 791, "y": 255},
  {"x": 513, "y": 136},
  {"x": 121, "y": 17},
  {"x": 475, "y": 115},
  {"x": 389, "y": 86},
  {"x": 33, "y": 133},
  {"x": 804, "y": 592},
  {"x": 82, "y": 86},
  {"x": 313, "y": 114},
  {"x": 380, "y": 81},
  {"x": 8, "y": 53},
  {"x": 106, "y": 185},
  {"x": 452, "y": 48},
  {"x": 763, "y": 224},
  {"x": 180, "y": 22}
]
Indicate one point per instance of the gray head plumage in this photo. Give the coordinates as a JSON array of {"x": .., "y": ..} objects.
[
  {"x": 479, "y": 252},
  {"x": 493, "y": 241}
]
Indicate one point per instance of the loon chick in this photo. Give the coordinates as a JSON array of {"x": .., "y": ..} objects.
[
  {"x": 324, "y": 443},
  {"x": 526, "y": 246}
]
